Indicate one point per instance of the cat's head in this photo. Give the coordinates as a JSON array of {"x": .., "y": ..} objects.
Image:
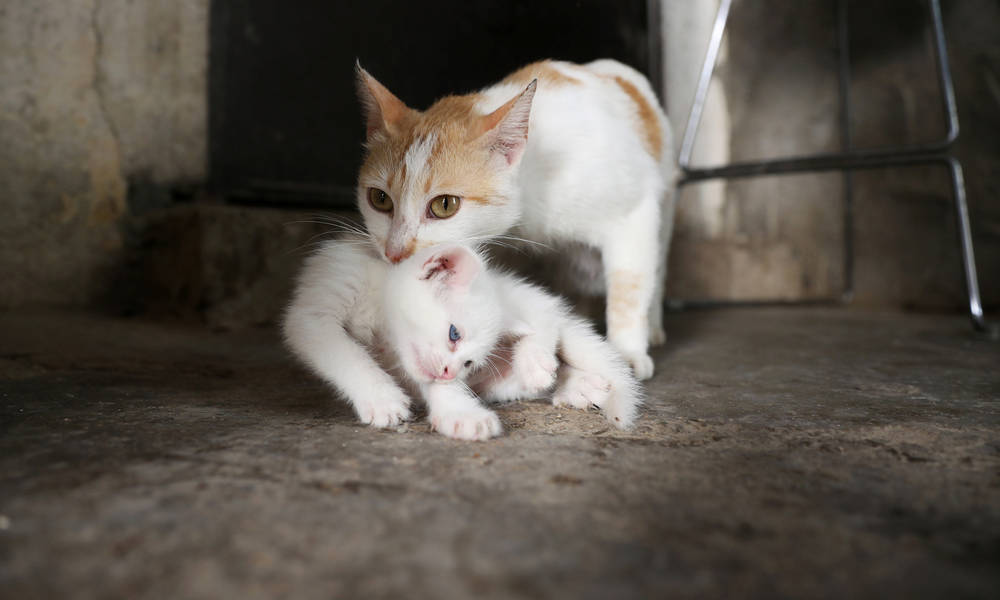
[
  {"x": 442, "y": 319},
  {"x": 444, "y": 175}
]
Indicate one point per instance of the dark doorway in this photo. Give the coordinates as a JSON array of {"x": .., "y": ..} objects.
[{"x": 284, "y": 123}]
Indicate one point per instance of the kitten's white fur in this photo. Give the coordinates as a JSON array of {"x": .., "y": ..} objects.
[
  {"x": 357, "y": 321},
  {"x": 585, "y": 176}
]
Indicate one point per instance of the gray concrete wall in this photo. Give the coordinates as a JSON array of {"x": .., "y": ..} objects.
[{"x": 93, "y": 95}]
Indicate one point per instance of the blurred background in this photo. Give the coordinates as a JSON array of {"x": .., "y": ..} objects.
[{"x": 156, "y": 155}]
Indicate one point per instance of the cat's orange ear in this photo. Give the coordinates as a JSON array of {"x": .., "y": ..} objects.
[
  {"x": 505, "y": 130},
  {"x": 382, "y": 110}
]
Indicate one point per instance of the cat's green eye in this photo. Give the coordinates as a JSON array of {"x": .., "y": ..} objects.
[
  {"x": 379, "y": 200},
  {"x": 444, "y": 206}
]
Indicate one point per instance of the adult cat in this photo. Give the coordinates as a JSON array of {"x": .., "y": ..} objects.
[{"x": 560, "y": 153}]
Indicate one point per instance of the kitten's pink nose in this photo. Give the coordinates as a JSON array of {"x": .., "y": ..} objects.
[{"x": 446, "y": 373}]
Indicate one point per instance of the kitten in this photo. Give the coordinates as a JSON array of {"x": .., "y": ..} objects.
[
  {"x": 578, "y": 156},
  {"x": 443, "y": 322}
]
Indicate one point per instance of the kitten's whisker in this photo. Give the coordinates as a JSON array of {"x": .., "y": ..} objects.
[
  {"x": 498, "y": 357},
  {"x": 494, "y": 368}
]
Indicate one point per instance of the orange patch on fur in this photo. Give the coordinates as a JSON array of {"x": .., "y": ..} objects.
[
  {"x": 650, "y": 125},
  {"x": 543, "y": 71},
  {"x": 456, "y": 163},
  {"x": 623, "y": 300}
]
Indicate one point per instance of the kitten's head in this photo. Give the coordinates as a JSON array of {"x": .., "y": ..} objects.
[
  {"x": 442, "y": 319},
  {"x": 443, "y": 175}
]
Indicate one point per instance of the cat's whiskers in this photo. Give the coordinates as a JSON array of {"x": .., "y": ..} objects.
[
  {"x": 507, "y": 241},
  {"x": 323, "y": 242},
  {"x": 337, "y": 227}
]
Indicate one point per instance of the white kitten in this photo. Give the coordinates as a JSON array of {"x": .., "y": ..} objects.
[
  {"x": 444, "y": 322},
  {"x": 564, "y": 154}
]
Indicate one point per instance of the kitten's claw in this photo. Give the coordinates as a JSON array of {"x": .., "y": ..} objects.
[
  {"x": 388, "y": 409},
  {"x": 581, "y": 389},
  {"x": 473, "y": 423}
]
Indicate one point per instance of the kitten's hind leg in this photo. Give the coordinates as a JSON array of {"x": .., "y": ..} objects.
[
  {"x": 580, "y": 389},
  {"x": 595, "y": 374}
]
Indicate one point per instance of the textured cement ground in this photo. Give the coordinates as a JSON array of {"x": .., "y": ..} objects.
[{"x": 782, "y": 453}]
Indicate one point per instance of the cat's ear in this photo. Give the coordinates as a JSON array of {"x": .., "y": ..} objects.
[
  {"x": 505, "y": 130},
  {"x": 382, "y": 110},
  {"x": 455, "y": 267}
]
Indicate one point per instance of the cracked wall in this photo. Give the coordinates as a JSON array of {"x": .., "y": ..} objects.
[{"x": 94, "y": 96}]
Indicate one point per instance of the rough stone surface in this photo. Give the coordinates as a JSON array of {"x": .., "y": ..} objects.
[{"x": 782, "y": 453}]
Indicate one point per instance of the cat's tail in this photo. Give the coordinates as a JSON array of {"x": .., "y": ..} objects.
[{"x": 594, "y": 373}]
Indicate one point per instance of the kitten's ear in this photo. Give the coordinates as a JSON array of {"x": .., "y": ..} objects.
[
  {"x": 455, "y": 267},
  {"x": 505, "y": 130},
  {"x": 382, "y": 110}
]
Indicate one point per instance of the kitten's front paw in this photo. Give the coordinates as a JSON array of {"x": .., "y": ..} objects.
[
  {"x": 470, "y": 423},
  {"x": 385, "y": 408},
  {"x": 533, "y": 367},
  {"x": 642, "y": 364},
  {"x": 581, "y": 389}
]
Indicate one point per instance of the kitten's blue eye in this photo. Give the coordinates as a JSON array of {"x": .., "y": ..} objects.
[{"x": 453, "y": 334}]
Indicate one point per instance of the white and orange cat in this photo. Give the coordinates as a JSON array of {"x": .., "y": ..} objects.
[
  {"x": 446, "y": 327},
  {"x": 572, "y": 156}
]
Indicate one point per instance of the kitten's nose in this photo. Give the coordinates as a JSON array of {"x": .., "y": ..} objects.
[{"x": 446, "y": 373}]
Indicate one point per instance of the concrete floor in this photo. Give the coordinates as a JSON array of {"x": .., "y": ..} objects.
[{"x": 783, "y": 452}]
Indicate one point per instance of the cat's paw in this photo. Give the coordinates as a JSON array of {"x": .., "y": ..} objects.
[
  {"x": 657, "y": 336},
  {"x": 386, "y": 408},
  {"x": 582, "y": 389},
  {"x": 468, "y": 423},
  {"x": 642, "y": 364},
  {"x": 533, "y": 367}
]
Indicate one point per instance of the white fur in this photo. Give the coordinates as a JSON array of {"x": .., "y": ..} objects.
[
  {"x": 357, "y": 322},
  {"x": 586, "y": 177}
]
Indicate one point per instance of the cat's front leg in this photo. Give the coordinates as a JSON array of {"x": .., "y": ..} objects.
[
  {"x": 630, "y": 265},
  {"x": 456, "y": 413}
]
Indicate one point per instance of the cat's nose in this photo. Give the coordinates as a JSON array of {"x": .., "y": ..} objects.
[
  {"x": 447, "y": 373},
  {"x": 397, "y": 252}
]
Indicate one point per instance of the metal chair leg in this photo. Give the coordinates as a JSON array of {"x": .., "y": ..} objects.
[
  {"x": 850, "y": 158},
  {"x": 965, "y": 241}
]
